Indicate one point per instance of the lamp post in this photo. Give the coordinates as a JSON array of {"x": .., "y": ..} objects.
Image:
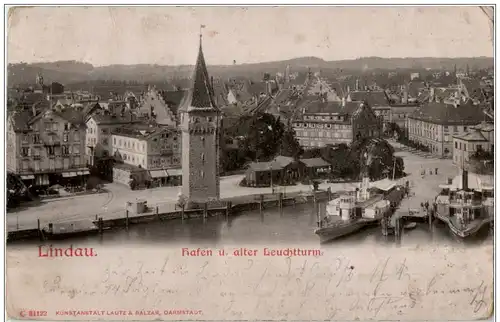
[{"x": 271, "y": 174}]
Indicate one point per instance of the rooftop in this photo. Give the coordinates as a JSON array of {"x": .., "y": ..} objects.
[
  {"x": 474, "y": 135},
  {"x": 374, "y": 98},
  {"x": 200, "y": 96},
  {"x": 441, "y": 113}
]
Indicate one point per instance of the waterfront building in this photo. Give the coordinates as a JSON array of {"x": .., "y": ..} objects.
[
  {"x": 278, "y": 171},
  {"x": 321, "y": 123},
  {"x": 98, "y": 136},
  {"x": 150, "y": 152},
  {"x": 47, "y": 147},
  {"x": 434, "y": 124},
  {"x": 200, "y": 126}
]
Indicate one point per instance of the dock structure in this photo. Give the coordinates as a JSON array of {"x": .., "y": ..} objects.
[{"x": 228, "y": 207}]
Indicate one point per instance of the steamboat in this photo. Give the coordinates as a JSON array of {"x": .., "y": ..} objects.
[{"x": 465, "y": 204}]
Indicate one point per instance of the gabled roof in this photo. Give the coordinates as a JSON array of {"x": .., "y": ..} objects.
[
  {"x": 20, "y": 119},
  {"x": 283, "y": 161},
  {"x": 69, "y": 114},
  {"x": 442, "y": 113},
  {"x": 173, "y": 99},
  {"x": 315, "y": 162},
  {"x": 200, "y": 95},
  {"x": 474, "y": 135}
]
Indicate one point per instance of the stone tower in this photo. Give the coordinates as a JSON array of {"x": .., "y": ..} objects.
[{"x": 200, "y": 126}]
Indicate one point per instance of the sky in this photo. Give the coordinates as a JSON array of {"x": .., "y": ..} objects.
[{"x": 170, "y": 35}]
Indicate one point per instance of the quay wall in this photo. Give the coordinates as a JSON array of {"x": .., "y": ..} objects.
[{"x": 232, "y": 208}]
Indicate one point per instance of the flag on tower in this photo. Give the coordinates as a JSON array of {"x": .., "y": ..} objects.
[{"x": 202, "y": 26}]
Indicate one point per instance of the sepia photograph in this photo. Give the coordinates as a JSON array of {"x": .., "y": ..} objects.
[{"x": 249, "y": 162}]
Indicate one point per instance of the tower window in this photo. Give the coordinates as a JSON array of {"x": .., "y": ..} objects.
[
  {"x": 202, "y": 174},
  {"x": 203, "y": 157}
]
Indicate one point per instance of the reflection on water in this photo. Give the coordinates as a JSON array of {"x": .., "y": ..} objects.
[{"x": 272, "y": 227}]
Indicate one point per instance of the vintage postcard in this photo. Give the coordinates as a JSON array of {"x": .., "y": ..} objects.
[{"x": 250, "y": 163}]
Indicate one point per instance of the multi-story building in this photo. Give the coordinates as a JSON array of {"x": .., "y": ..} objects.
[
  {"x": 98, "y": 136},
  {"x": 47, "y": 147},
  {"x": 142, "y": 147},
  {"x": 400, "y": 112},
  {"x": 322, "y": 123},
  {"x": 479, "y": 137},
  {"x": 434, "y": 124}
]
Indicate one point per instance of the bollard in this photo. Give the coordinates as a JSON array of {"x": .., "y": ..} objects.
[
  {"x": 261, "y": 202},
  {"x": 126, "y": 219},
  {"x": 228, "y": 208},
  {"x": 329, "y": 190},
  {"x": 39, "y": 231},
  {"x": 100, "y": 225},
  {"x": 205, "y": 211},
  {"x": 280, "y": 201},
  {"x": 182, "y": 213},
  {"x": 397, "y": 227}
]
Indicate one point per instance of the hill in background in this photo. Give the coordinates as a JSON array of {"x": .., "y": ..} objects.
[{"x": 69, "y": 72}]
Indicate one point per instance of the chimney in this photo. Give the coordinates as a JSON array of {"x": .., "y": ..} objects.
[
  {"x": 33, "y": 109},
  {"x": 431, "y": 96},
  {"x": 357, "y": 85},
  {"x": 343, "y": 101}
]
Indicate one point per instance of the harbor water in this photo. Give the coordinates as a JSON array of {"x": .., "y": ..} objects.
[{"x": 290, "y": 225}]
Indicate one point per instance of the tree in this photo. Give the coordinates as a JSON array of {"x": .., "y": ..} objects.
[
  {"x": 381, "y": 154},
  {"x": 263, "y": 137},
  {"x": 290, "y": 146}
]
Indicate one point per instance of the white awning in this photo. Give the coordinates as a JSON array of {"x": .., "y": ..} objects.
[
  {"x": 174, "y": 172},
  {"x": 158, "y": 173},
  {"x": 85, "y": 172},
  {"x": 384, "y": 184},
  {"x": 69, "y": 174},
  {"x": 28, "y": 177}
]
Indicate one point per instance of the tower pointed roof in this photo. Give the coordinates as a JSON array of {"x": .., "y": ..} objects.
[{"x": 200, "y": 96}]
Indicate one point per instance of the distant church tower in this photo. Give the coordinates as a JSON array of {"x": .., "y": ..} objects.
[{"x": 200, "y": 125}]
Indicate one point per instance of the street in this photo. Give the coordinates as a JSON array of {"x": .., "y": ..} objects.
[{"x": 112, "y": 204}]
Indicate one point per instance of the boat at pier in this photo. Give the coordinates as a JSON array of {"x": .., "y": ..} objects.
[
  {"x": 465, "y": 205},
  {"x": 352, "y": 212},
  {"x": 70, "y": 229}
]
